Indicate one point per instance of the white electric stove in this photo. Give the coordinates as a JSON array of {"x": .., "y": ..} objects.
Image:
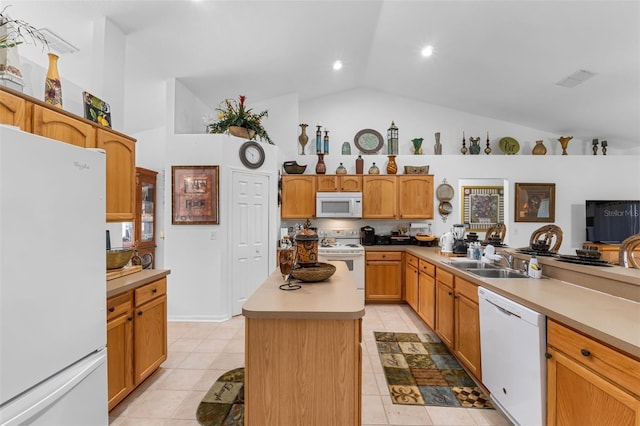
[{"x": 343, "y": 245}]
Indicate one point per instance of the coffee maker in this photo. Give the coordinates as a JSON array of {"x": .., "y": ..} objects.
[
  {"x": 367, "y": 236},
  {"x": 459, "y": 245}
]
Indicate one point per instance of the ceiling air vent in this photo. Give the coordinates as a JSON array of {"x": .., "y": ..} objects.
[
  {"x": 57, "y": 43},
  {"x": 576, "y": 78}
]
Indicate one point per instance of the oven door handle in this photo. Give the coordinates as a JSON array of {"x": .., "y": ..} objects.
[{"x": 341, "y": 255}]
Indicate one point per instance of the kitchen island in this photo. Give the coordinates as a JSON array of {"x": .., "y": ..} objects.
[{"x": 303, "y": 359}]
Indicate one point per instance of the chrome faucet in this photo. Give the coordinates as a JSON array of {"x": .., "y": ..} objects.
[{"x": 508, "y": 258}]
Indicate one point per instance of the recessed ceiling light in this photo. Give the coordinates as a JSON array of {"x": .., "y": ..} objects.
[
  {"x": 337, "y": 65},
  {"x": 427, "y": 51}
]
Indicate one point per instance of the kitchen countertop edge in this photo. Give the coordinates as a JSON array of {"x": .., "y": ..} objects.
[{"x": 123, "y": 284}]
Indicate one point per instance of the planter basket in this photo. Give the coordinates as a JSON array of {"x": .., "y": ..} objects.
[{"x": 241, "y": 132}]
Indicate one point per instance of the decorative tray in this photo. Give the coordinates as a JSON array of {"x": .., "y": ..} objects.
[{"x": 583, "y": 260}]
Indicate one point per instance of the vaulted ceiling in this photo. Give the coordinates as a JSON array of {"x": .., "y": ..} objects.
[{"x": 500, "y": 59}]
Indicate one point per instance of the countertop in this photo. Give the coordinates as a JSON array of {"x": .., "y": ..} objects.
[
  {"x": 120, "y": 285},
  {"x": 610, "y": 318},
  {"x": 335, "y": 298}
]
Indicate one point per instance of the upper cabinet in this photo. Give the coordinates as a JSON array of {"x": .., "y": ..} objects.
[
  {"x": 298, "y": 195},
  {"x": 415, "y": 196},
  {"x": 34, "y": 116},
  {"x": 339, "y": 183},
  {"x": 13, "y": 110},
  {"x": 379, "y": 197}
]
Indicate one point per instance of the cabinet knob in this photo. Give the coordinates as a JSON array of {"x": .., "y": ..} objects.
[
  {"x": 129, "y": 318},
  {"x": 547, "y": 355},
  {"x": 585, "y": 352},
  {"x": 139, "y": 313},
  {"x": 154, "y": 291},
  {"x": 450, "y": 293},
  {"x": 112, "y": 308}
]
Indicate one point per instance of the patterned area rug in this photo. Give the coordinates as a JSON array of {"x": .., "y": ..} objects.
[
  {"x": 223, "y": 405},
  {"x": 420, "y": 370}
]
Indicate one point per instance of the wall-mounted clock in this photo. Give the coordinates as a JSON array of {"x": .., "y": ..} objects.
[{"x": 252, "y": 154}]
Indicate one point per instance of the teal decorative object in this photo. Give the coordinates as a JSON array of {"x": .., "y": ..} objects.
[{"x": 346, "y": 148}]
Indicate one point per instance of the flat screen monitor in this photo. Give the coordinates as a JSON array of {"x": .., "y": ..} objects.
[{"x": 612, "y": 221}]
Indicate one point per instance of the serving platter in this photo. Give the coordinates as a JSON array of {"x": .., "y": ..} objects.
[
  {"x": 368, "y": 141},
  {"x": 509, "y": 145}
]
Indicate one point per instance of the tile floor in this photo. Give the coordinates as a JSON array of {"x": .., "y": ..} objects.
[{"x": 200, "y": 352}]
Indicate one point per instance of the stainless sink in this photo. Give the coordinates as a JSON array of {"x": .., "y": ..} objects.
[
  {"x": 496, "y": 273},
  {"x": 475, "y": 264}
]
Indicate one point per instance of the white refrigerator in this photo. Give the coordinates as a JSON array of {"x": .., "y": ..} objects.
[{"x": 52, "y": 282}]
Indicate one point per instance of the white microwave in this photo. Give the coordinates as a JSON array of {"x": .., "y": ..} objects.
[{"x": 339, "y": 204}]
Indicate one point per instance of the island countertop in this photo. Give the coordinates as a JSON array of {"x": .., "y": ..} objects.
[{"x": 335, "y": 298}]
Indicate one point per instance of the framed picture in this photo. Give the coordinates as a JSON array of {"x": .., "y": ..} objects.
[
  {"x": 194, "y": 191},
  {"x": 482, "y": 207},
  {"x": 535, "y": 202},
  {"x": 96, "y": 110}
]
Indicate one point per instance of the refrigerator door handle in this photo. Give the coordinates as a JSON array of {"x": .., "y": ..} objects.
[{"x": 24, "y": 407}]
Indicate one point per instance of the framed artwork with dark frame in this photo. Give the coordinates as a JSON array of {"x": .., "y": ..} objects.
[
  {"x": 482, "y": 207},
  {"x": 535, "y": 202},
  {"x": 194, "y": 195}
]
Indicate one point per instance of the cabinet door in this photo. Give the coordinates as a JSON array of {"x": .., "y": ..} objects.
[
  {"x": 13, "y": 110},
  {"x": 379, "y": 197},
  {"x": 467, "y": 329},
  {"x": 61, "y": 127},
  {"x": 578, "y": 396},
  {"x": 150, "y": 343},
  {"x": 427, "y": 299},
  {"x": 411, "y": 286},
  {"x": 350, "y": 183},
  {"x": 415, "y": 197},
  {"x": 145, "y": 207},
  {"x": 119, "y": 358},
  {"x": 444, "y": 310},
  {"x": 383, "y": 277},
  {"x": 121, "y": 175},
  {"x": 327, "y": 183},
  {"x": 298, "y": 197}
]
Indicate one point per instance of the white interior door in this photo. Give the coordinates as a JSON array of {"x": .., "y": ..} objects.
[{"x": 250, "y": 235}]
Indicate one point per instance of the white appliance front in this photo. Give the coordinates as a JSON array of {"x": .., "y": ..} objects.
[
  {"x": 339, "y": 205},
  {"x": 52, "y": 259},
  {"x": 512, "y": 346}
]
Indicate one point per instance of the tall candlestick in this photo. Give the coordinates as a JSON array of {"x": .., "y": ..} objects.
[
  {"x": 318, "y": 138},
  {"x": 326, "y": 141}
]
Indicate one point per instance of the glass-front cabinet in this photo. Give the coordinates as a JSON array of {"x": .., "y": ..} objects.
[{"x": 145, "y": 220}]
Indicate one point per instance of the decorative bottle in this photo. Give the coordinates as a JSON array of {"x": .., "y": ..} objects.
[
  {"x": 359, "y": 165},
  {"x": 53, "y": 88},
  {"x": 341, "y": 170},
  {"x": 326, "y": 142},
  {"x": 321, "y": 168},
  {"x": 392, "y": 167},
  {"x": 374, "y": 170},
  {"x": 318, "y": 138},
  {"x": 539, "y": 148}
]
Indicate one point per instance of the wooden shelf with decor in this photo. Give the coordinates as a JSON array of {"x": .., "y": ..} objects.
[{"x": 37, "y": 117}]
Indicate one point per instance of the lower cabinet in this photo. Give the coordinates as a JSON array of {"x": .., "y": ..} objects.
[
  {"x": 383, "y": 276},
  {"x": 444, "y": 307},
  {"x": 588, "y": 383},
  {"x": 136, "y": 337},
  {"x": 427, "y": 293},
  {"x": 411, "y": 277}
]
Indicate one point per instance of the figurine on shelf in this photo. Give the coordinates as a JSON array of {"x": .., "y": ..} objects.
[
  {"x": 604, "y": 147},
  {"x": 595, "y": 146},
  {"x": 474, "y": 148},
  {"x": 437, "y": 148},
  {"x": 463, "y": 150},
  {"x": 487, "y": 150}
]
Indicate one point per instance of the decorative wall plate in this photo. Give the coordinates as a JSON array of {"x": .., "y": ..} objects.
[
  {"x": 509, "y": 145},
  {"x": 445, "y": 208},
  {"x": 368, "y": 141},
  {"x": 444, "y": 192}
]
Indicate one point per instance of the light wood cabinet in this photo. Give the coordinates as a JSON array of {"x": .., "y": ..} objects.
[
  {"x": 445, "y": 307},
  {"x": 13, "y": 111},
  {"x": 62, "y": 127},
  {"x": 411, "y": 276},
  {"x": 467, "y": 325},
  {"x": 383, "y": 277},
  {"x": 145, "y": 217},
  {"x": 298, "y": 197},
  {"x": 136, "y": 337},
  {"x": 427, "y": 292},
  {"x": 589, "y": 383},
  {"x": 379, "y": 197},
  {"x": 121, "y": 175},
  {"x": 119, "y": 347},
  {"x": 338, "y": 183},
  {"x": 415, "y": 196}
]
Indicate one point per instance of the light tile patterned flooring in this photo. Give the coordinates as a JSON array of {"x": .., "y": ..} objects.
[{"x": 200, "y": 352}]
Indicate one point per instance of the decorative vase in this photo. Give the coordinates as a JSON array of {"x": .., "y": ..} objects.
[
  {"x": 437, "y": 148},
  {"x": 241, "y": 132},
  {"x": 374, "y": 170},
  {"x": 417, "y": 146},
  {"x": 52, "y": 86},
  {"x": 341, "y": 170},
  {"x": 359, "y": 165},
  {"x": 303, "y": 138},
  {"x": 564, "y": 142},
  {"x": 321, "y": 168},
  {"x": 346, "y": 148},
  {"x": 474, "y": 148},
  {"x": 392, "y": 167},
  {"x": 539, "y": 148}
]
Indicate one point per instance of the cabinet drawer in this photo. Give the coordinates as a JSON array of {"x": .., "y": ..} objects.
[
  {"x": 467, "y": 289},
  {"x": 151, "y": 291},
  {"x": 387, "y": 255},
  {"x": 609, "y": 363},
  {"x": 444, "y": 277},
  {"x": 427, "y": 268},
  {"x": 412, "y": 260},
  {"x": 118, "y": 305}
]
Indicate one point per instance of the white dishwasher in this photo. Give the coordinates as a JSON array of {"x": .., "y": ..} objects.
[{"x": 513, "y": 346}]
